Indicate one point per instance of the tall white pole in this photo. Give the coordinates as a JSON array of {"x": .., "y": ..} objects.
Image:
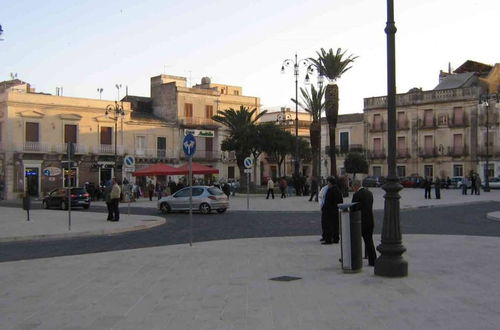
[{"x": 190, "y": 177}]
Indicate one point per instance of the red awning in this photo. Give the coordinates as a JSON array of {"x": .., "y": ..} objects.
[
  {"x": 158, "y": 169},
  {"x": 198, "y": 169}
]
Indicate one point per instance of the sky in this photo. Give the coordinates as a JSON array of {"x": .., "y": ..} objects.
[{"x": 85, "y": 45}]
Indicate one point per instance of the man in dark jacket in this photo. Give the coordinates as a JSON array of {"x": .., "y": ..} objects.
[
  {"x": 330, "y": 213},
  {"x": 314, "y": 189},
  {"x": 364, "y": 199}
]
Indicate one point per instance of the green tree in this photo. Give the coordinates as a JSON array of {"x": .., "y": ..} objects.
[
  {"x": 313, "y": 103},
  {"x": 279, "y": 144},
  {"x": 241, "y": 125},
  {"x": 355, "y": 162},
  {"x": 332, "y": 66}
]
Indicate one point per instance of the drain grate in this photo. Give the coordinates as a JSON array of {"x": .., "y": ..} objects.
[{"x": 285, "y": 278}]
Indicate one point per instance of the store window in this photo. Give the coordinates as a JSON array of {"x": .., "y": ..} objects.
[{"x": 458, "y": 170}]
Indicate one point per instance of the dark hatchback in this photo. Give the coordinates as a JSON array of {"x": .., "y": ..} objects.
[{"x": 59, "y": 198}]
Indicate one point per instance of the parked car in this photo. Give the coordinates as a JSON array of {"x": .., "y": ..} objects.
[
  {"x": 373, "y": 181},
  {"x": 456, "y": 182},
  {"x": 59, "y": 198},
  {"x": 494, "y": 183},
  {"x": 205, "y": 199},
  {"x": 412, "y": 182}
]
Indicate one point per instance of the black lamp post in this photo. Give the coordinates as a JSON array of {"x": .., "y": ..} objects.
[
  {"x": 296, "y": 64},
  {"x": 484, "y": 102},
  {"x": 118, "y": 112},
  {"x": 391, "y": 262}
]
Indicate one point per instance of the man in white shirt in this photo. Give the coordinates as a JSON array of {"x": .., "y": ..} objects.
[{"x": 270, "y": 188}]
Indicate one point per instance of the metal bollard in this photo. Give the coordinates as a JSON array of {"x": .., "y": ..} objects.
[{"x": 350, "y": 230}]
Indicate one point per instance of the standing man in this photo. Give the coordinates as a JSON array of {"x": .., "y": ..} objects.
[
  {"x": 314, "y": 189},
  {"x": 115, "y": 200},
  {"x": 107, "y": 199},
  {"x": 437, "y": 188},
  {"x": 364, "y": 198},
  {"x": 330, "y": 213},
  {"x": 478, "y": 184},
  {"x": 427, "y": 187},
  {"x": 465, "y": 183},
  {"x": 270, "y": 188}
]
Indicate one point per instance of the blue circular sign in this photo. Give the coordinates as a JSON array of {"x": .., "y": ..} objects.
[{"x": 189, "y": 145}]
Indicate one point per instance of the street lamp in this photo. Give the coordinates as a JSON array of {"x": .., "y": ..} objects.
[
  {"x": 118, "y": 112},
  {"x": 484, "y": 102},
  {"x": 391, "y": 262},
  {"x": 296, "y": 64}
]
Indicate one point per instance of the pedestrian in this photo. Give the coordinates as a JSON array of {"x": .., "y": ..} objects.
[
  {"x": 226, "y": 189},
  {"x": 473, "y": 183},
  {"x": 107, "y": 199},
  {"x": 270, "y": 188},
  {"x": 364, "y": 199},
  {"x": 437, "y": 188},
  {"x": 151, "y": 190},
  {"x": 330, "y": 213},
  {"x": 448, "y": 182},
  {"x": 115, "y": 200},
  {"x": 321, "y": 200},
  {"x": 427, "y": 187},
  {"x": 283, "y": 186},
  {"x": 478, "y": 185},
  {"x": 465, "y": 183},
  {"x": 314, "y": 189}
]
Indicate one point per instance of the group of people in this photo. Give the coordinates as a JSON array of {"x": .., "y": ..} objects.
[
  {"x": 474, "y": 181},
  {"x": 329, "y": 197}
]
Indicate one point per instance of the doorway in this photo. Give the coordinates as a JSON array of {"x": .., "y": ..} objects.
[
  {"x": 105, "y": 175},
  {"x": 32, "y": 180}
]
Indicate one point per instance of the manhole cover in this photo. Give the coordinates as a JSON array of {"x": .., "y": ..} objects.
[{"x": 285, "y": 278}]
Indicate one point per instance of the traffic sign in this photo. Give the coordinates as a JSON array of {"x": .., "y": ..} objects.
[
  {"x": 248, "y": 162},
  {"x": 46, "y": 172},
  {"x": 129, "y": 161},
  {"x": 247, "y": 170},
  {"x": 189, "y": 145}
]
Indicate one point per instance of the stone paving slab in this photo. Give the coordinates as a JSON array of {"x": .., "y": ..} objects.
[
  {"x": 452, "y": 284},
  {"x": 50, "y": 224}
]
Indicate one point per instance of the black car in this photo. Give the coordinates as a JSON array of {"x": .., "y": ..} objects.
[
  {"x": 373, "y": 181},
  {"x": 59, "y": 198}
]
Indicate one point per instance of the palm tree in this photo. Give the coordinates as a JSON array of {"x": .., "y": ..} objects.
[
  {"x": 332, "y": 66},
  {"x": 313, "y": 103},
  {"x": 240, "y": 124}
]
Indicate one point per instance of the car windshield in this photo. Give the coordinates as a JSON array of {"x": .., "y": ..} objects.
[{"x": 215, "y": 191}]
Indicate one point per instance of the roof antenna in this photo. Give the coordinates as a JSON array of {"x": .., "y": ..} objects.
[{"x": 449, "y": 67}]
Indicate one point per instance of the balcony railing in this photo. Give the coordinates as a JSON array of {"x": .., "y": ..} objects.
[
  {"x": 402, "y": 153},
  {"x": 376, "y": 154},
  {"x": 493, "y": 151},
  {"x": 403, "y": 124},
  {"x": 149, "y": 153},
  {"x": 427, "y": 152},
  {"x": 204, "y": 155},
  {"x": 427, "y": 123},
  {"x": 198, "y": 121},
  {"x": 378, "y": 127},
  {"x": 62, "y": 148},
  {"x": 458, "y": 151},
  {"x": 34, "y": 147},
  {"x": 108, "y": 149},
  {"x": 458, "y": 121}
]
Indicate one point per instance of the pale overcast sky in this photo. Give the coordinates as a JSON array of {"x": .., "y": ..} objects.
[{"x": 84, "y": 45}]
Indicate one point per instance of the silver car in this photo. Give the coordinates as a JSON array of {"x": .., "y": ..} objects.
[{"x": 205, "y": 199}]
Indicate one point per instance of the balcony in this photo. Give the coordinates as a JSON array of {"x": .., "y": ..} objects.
[
  {"x": 108, "y": 149},
  {"x": 204, "y": 155},
  {"x": 493, "y": 151},
  {"x": 62, "y": 148},
  {"x": 403, "y": 124},
  {"x": 33, "y": 147},
  {"x": 427, "y": 123},
  {"x": 376, "y": 154},
  {"x": 149, "y": 153},
  {"x": 402, "y": 153},
  {"x": 427, "y": 152},
  {"x": 377, "y": 127},
  {"x": 458, "y": 151},
  {"x": 457, "y": 121},
  {"x": 198, "y": 121}
]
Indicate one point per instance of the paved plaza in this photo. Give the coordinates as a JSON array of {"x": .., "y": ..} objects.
[{"x": 225, "y": 284}]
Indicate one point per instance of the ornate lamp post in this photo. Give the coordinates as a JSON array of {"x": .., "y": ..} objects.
[
  {"x": 296, "y": 64},
  {"x": 118, "y": 112},
  {"x": 391, "y": 263},
  {"x": 484, "y": 102}
]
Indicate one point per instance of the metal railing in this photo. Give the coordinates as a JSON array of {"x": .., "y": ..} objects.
[
  {"x": 458, "y": 151},
  {"x": 427, "y": 123},
  {"x": 376, "y": 154},
  {"x": 458, "y": 121},
  {"x": 63, "y": 148},
  {"x": 108, "y": 149},
  {"x": 427, "y": 152},
  {"x": 34, "y": 147}
]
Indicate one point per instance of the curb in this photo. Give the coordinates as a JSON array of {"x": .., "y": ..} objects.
[
  {"x": 103, "y": 232},
  {"x": 493, "y": 216}
]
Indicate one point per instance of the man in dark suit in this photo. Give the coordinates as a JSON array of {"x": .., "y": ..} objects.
[
  {"x": 330, "y": 213},
  {"x": 364, "y": 199}
]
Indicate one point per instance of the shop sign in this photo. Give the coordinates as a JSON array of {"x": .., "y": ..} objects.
[
  {"x": 52, "y": 171},
  {"x": 199, "y": 132}
]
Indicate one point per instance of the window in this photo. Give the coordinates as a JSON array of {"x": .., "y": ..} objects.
[
  {"x": 188, "y": 110},
  {"x": 70, "y": 132},
  {"x": 458, "y": 116},
  {"x": 377, "y": 171},
  {"x": 230, "y": 172},
  {"x": 428, "y": 144},
  {"x": 401, "y": 119},
  {"x": 161, "y": 147},
  {"x": 401, "y": 171},
  {"x": 377, "y": 144},
  {"x": 377, "y": 121},
  {"x": 428, "y": 171},
  {"x": 209, "y": 144},
  {"x": 428, "y": 118},
  {"x": 32, "y": 132},
  {"x": 209, "y": 111},
  {"x": 458, "y": 147},
  {"x": 442, "y": 120},
  {"x": 140, "y": 145},
  {"x": 237, "y": 93},
  {"x": 401, "y": 145},
  {"x": 344, "y": 141},
  {"x": 458, "y": 170},
  {"x": 106, "y": 135}
]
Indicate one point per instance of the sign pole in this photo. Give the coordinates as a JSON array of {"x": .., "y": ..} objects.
[
  {"x": 248, "y": 191},
  {"x": 190, "y": 201},
  {"x": 69, "y": 185}
]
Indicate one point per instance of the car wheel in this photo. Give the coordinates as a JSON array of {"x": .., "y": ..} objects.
[
  {"x": 205, "y": 208},
  {"x": 64, "y": 205},
  {"x": 164, "y": 208},
  {"x": 45, "y": 205},
  {"x": 221, "y": 210}
]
